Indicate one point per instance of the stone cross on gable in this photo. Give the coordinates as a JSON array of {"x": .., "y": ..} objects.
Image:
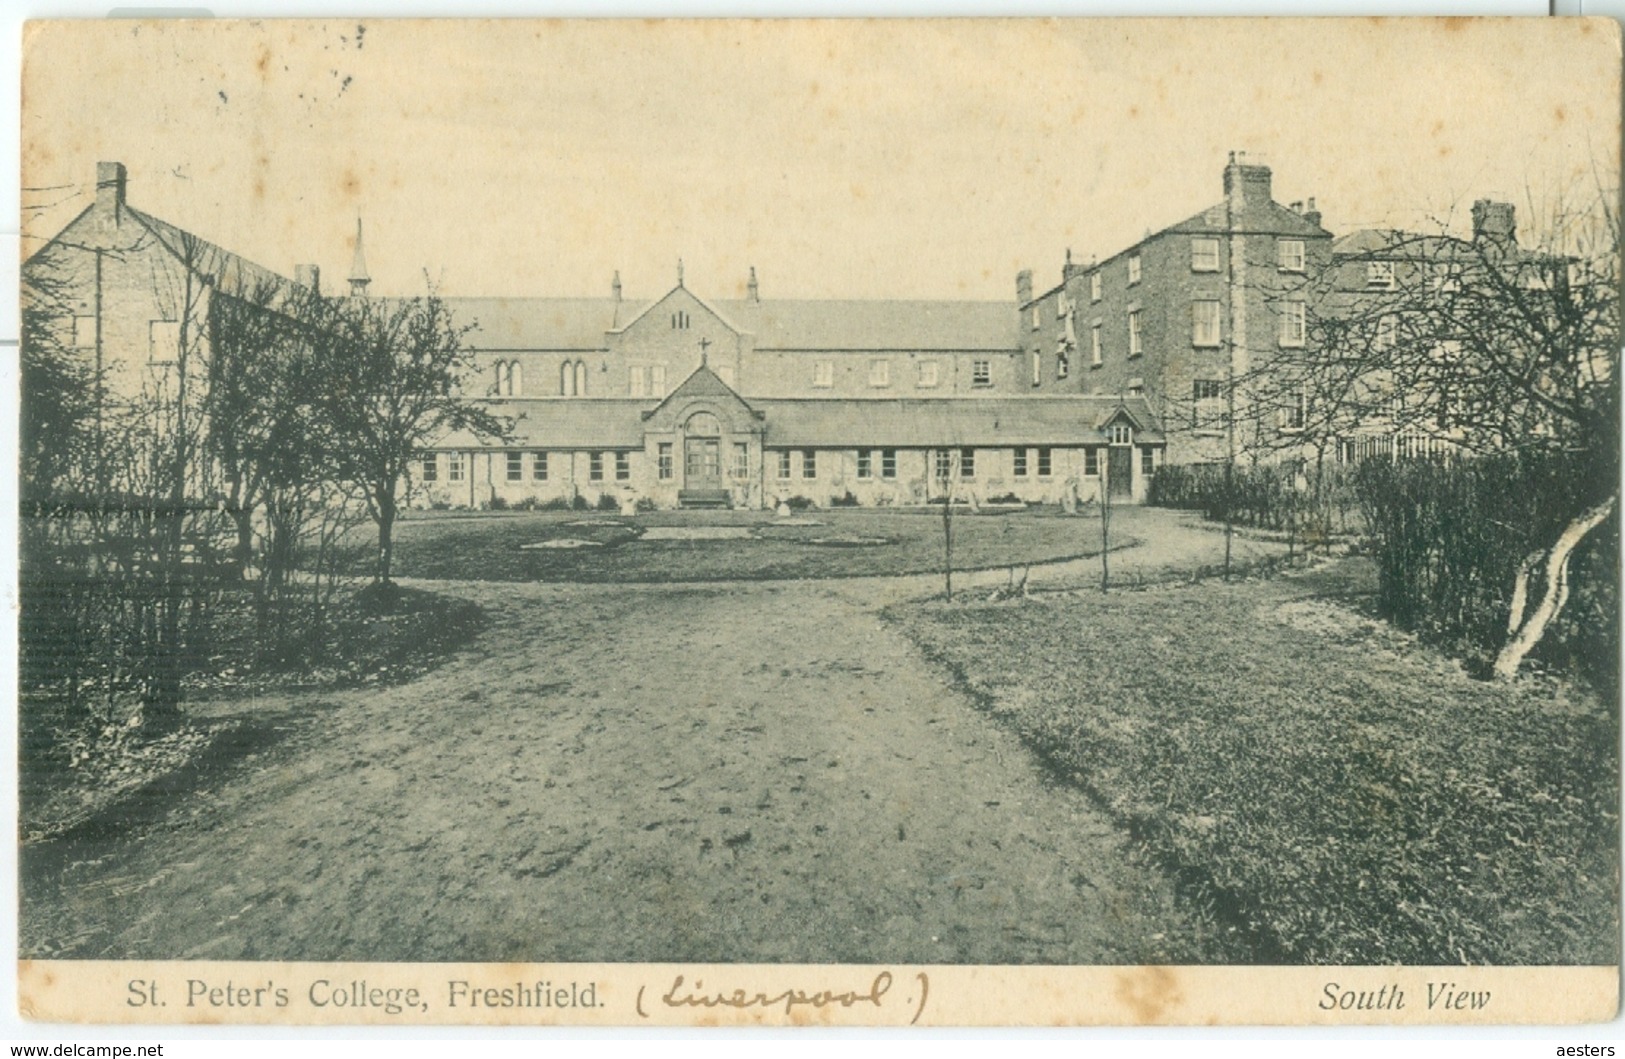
[{"x": 705, "y": 344}]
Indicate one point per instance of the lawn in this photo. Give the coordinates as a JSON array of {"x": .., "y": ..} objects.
[
  {"x": 740, "y": 545},
  {"x": 1338, "y": 792}
]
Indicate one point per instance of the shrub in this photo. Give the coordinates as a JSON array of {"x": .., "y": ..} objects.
[
  {"x": 498, "y": 503},
  {"x": 1448, "y": 539},
  {"x": 1286, "y": 496},
  {"x": 439, "y": 505},
  {"x": 554, "y": 503},
  {"x": 608, "y": 502},
  {"x": 844, "y": 500},
  {"x": 1007, "y": 498},
  {"x": 579, "y": 503},
  {"x": 645, "y": 505},
  {"x": 798, "y": 503}
]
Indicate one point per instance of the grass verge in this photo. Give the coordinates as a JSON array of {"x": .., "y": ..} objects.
[{"x": 1339, "y": 792}]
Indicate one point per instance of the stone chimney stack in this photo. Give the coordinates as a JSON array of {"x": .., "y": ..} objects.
[
  {"x": 110, "y": 181},
  {"x": 754, "y": 291},
  {"x": 1311, "y": 214},
  {"x": 1495, "y": 220},
  {"x": 308, "y": 277},
  {"x": 1245, "y": 185},
  {"x": 1024, "y": 286}
]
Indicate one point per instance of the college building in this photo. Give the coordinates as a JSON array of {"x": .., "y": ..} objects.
[{"x": 1130, "y": 362}]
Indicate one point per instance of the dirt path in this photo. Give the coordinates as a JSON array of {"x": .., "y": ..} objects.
[
  {"x": 663, "y": 773},
  {"x": 739, "y": 772}
]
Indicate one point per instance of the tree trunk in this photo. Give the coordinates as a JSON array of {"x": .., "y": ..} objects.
[
  {"x": 1527, "y": 630},
  {"x": 386, "y": 531}
]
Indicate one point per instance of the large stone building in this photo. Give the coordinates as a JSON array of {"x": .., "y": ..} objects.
[{"x": 1142, "y": 358}]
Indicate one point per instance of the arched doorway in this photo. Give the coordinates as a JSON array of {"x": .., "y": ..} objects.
[{"x": 702, "y": 452}]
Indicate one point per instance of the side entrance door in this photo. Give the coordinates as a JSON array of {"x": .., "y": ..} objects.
[{"x": 1120, "y": 471}]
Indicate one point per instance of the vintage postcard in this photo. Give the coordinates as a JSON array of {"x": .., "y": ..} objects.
[{"x": 1025, "y": 522}]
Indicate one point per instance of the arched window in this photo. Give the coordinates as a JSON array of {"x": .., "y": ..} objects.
[
  {"x": 516, "y": 379},
  {"x": 703, "y": 425},
  {"x": 581, "y": 379},
  {"x": 502, "y": 378},
  {"x": 567, "y": 380}
]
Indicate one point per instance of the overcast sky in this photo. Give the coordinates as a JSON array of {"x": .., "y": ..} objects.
[{"x": 850, "y": 159}]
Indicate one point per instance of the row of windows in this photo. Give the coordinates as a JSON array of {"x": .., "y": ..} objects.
[
  {"x": 928, "y": 373},
  {"x": 1206, "y": 332},
  {"x": 1290, "y": 256},
  {"x": 456, "y": 466},
  {"x": 703, "y": 462}
]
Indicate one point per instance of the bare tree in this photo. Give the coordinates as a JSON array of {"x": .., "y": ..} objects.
[{"x": 392, "y": 373}]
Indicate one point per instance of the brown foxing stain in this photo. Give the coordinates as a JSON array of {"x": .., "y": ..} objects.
[
  {"x": 1562, "y": 115},
  {"x": 351, "y": 185},
  {"x": 1317, "y": 77},
  {"x": 262, "y": 61},
  {"x": 1148, "y": 992},
  {"x": 1134, "y": 111}
]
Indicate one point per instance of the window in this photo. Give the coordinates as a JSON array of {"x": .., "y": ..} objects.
[
  {"x": 679, "y": 320},
  {"x": 1134, "y": 347},
  {"x": 1379, "y": 274},
  {"x": 1043, "y": 463},
  {"x": 1292, "y": 324},
  {"x": 431, "y": 468},
  {"x": 741, "y": 459},
  {"x": 581, "y": 378},
  {"x": 623, "y": 466},
  {"x": 1018, "y": 462},
  {"x": 824, "y": 373},
  {"x": 944, "y": 465},
  {"x": 1122, "y": 434},
  {"x": 663, "y": 461},
  {"x": 164, "y": 341},
  {"x": 880, "y": 373},
  {"x": 538, "y": 466},
  {"x": 454, "y": 466},
  {"x": 1038, "y": 368},
  {"x": 1387, "y": 332},
  {"x": 1289, "y": 255},
  {"x": 784, "y": 465},
  {"x": 866, "y": 465},
  {"x": 1204, "y": 254},
  {"x": 928, "y": 373},
  {"x": 1091, "y": 463},
  {"x": 1205, "y": 323},
  {"x": 1207, "y": 390},
  {"x": 888, "y": 463},
  {"x": 1148, "y": 461},
  {"x": 595, "y": 467},
  {"x": 1094, "y": 286},
  {"x": 1063, "y": 364},
  {"x": 510, "y": 378},
  {"x": 1133, "y": 269},
  {"x": 516, "y": 466},
  {"x": 1136, "y": 387},
  {"x": 84, "y": 332},
  {"x": 1035, "y": 318},
  {"x": 567, "y": 379},
  {"x": 1094, "y": 346},
  {"x": 809, "y": 463},
  {"x": 981, "y": 373},
  {"x": 967, "y": 463},
  {"x": 1297, "y": 411},
  {"x": 648, "y": 380}
]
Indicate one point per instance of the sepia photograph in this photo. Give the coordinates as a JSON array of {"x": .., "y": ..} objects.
[{"x": 863, "y": 503}]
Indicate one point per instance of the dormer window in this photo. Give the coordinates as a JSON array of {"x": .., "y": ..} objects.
[{"x": 1122, "y": 434}]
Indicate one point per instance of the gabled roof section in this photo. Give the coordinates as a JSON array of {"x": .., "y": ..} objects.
[
  {"x": 702, "y": 382},
  {"x": 707, "y": 306},
  {"x": 1138, "y": 416},
  {"x": 945, "y": 326}
]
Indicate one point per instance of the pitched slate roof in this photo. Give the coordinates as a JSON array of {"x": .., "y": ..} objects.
[
  {"x": 912, "y": 423},
  {"x": 230, "y": 272},
  {"x": 1269, "y": 216},
  {"x": 565, "y": 423},
  {"x": 701, "y": 382},
  {"x": 876, "y": 325},
  {"x": 581, "y": 323},
  {"x": 543, "y": 323}
]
